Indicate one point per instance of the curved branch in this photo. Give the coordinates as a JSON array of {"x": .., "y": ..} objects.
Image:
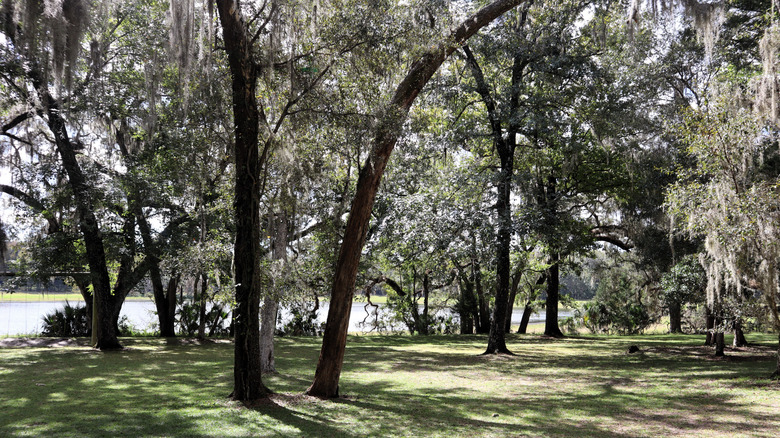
[{"x": 36, "y": 205}]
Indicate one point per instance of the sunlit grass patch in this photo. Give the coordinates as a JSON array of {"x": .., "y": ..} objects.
[{"x": 398, "y": 386}]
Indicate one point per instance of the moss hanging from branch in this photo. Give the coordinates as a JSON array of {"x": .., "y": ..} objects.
[
  {"x": 53, "y": 27},
  {"x": 706, "y": 16}
]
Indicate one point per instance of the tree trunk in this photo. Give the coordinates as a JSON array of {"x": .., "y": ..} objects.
[
  {"x": 523, "y": 329},
  {"x": 465, "y": 309},
  {"x": 390, "y": 122},
  {"x": 247, "y": 372},
  {"x": 675, "y": 318},
  {"x": 161, "y": 303},
  {"x": 483, "y": 326},
  {"x": 512, "y": 296},
  {"x": 104, "y": 331},
  {"x": 506, "y": 151},
  {"x": 83, "y": 285},
  {"x": 551, "y": 307},
  {"x": 709, "y": 326},
  {"x": 776, "y": 374},
  {"x": 496, "y": 337},
  {"x": 422, "y": 327},
  {"x": 204, "y": 284},
  {"x": 720, "y": 344},
  {"x": 267, "y": 328},
  {"x": 739, "y": 335},
  {"x": 528, "y": 310},
  {"x": 168, "y": 323},
  {"x": 279, "y": 232}
]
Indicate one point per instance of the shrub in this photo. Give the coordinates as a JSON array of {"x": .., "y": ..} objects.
[
  {"x": 302, "y": 323},
  {"x": 189, "y": 319},
  {"x": 616, "y": 308},
  {"x": 69, "y": 321}
]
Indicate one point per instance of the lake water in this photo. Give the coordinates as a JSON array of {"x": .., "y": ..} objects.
[{"x": 25, "y": 318}]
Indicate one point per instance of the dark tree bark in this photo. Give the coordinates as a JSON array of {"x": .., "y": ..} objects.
[
  {"x": 466, "y": 304},
  {"x": 424, "y": 323},
  {"x": 247, "y": 371},
  {"x": 496, "y": 338},
  {"x": 512, "y": 296},
  {"x": 465, "y": 313},
  {"x": 549, "y": 203},
  {"x": 483, "y": 315},
  {"x": 551, "y": 327},
  {"x": 720, "y": 344},
  {"x": 164, "y": 299},
  {"x": 167, "y": 306},
  {"x": 528, "y": 310},
  {"x": 739, "y": 335},
  {"x": 104, "y": 327},
  {"x": 675, "y": 317},
  {"x": 506, "y": 152},
  {"x": 82, "y": 284},
  {"x": 326, "y": 377}
]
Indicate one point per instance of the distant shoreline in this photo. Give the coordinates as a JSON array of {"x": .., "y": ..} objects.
[{"x": 24, "y": 297}]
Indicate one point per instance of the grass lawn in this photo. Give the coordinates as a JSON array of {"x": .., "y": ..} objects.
[
  {"x": 376, "y": 299},
  {"x": 398, "y": 386}
]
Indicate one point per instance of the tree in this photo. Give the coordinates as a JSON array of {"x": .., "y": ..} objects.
[
  {"x": 389, "y": 122},
  {"x": 257, "y": 133},
  {"x": 55, "y": 94},
  {"x": 249, "y": 160},
  {"x": 123, "y": 138},
  {"x": 729, "y": 199},
  {"x": 683, "y": 284}
]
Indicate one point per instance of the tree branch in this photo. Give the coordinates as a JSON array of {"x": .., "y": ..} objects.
[{"x": 36, "y": 205}]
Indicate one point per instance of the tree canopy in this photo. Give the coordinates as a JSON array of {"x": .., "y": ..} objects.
[{"x": 459, "y": 157}]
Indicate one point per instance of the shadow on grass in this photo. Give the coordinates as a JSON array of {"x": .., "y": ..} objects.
[{"x": 395, "y": 386}]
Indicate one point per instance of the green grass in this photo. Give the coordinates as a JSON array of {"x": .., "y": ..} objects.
[
  {"x": 376, "y": 299},
  {"x": 399, "y": 386},
  {"x": 22, "y": 297}
]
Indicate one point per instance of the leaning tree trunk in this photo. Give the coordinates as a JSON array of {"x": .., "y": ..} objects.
[
  {"x": 247, "y": 372},
  {"x": 390, "y": 122},
  {"x": 528, "y": 310},
  {"x": 104, "y": 335},
  {"x": 523, "y": 329},
  {"x": 104, "y": 332},
  {"x": 512, "y": 296}
]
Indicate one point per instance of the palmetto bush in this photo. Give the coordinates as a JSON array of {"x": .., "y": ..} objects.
[{"x": 68, "y": 321}]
